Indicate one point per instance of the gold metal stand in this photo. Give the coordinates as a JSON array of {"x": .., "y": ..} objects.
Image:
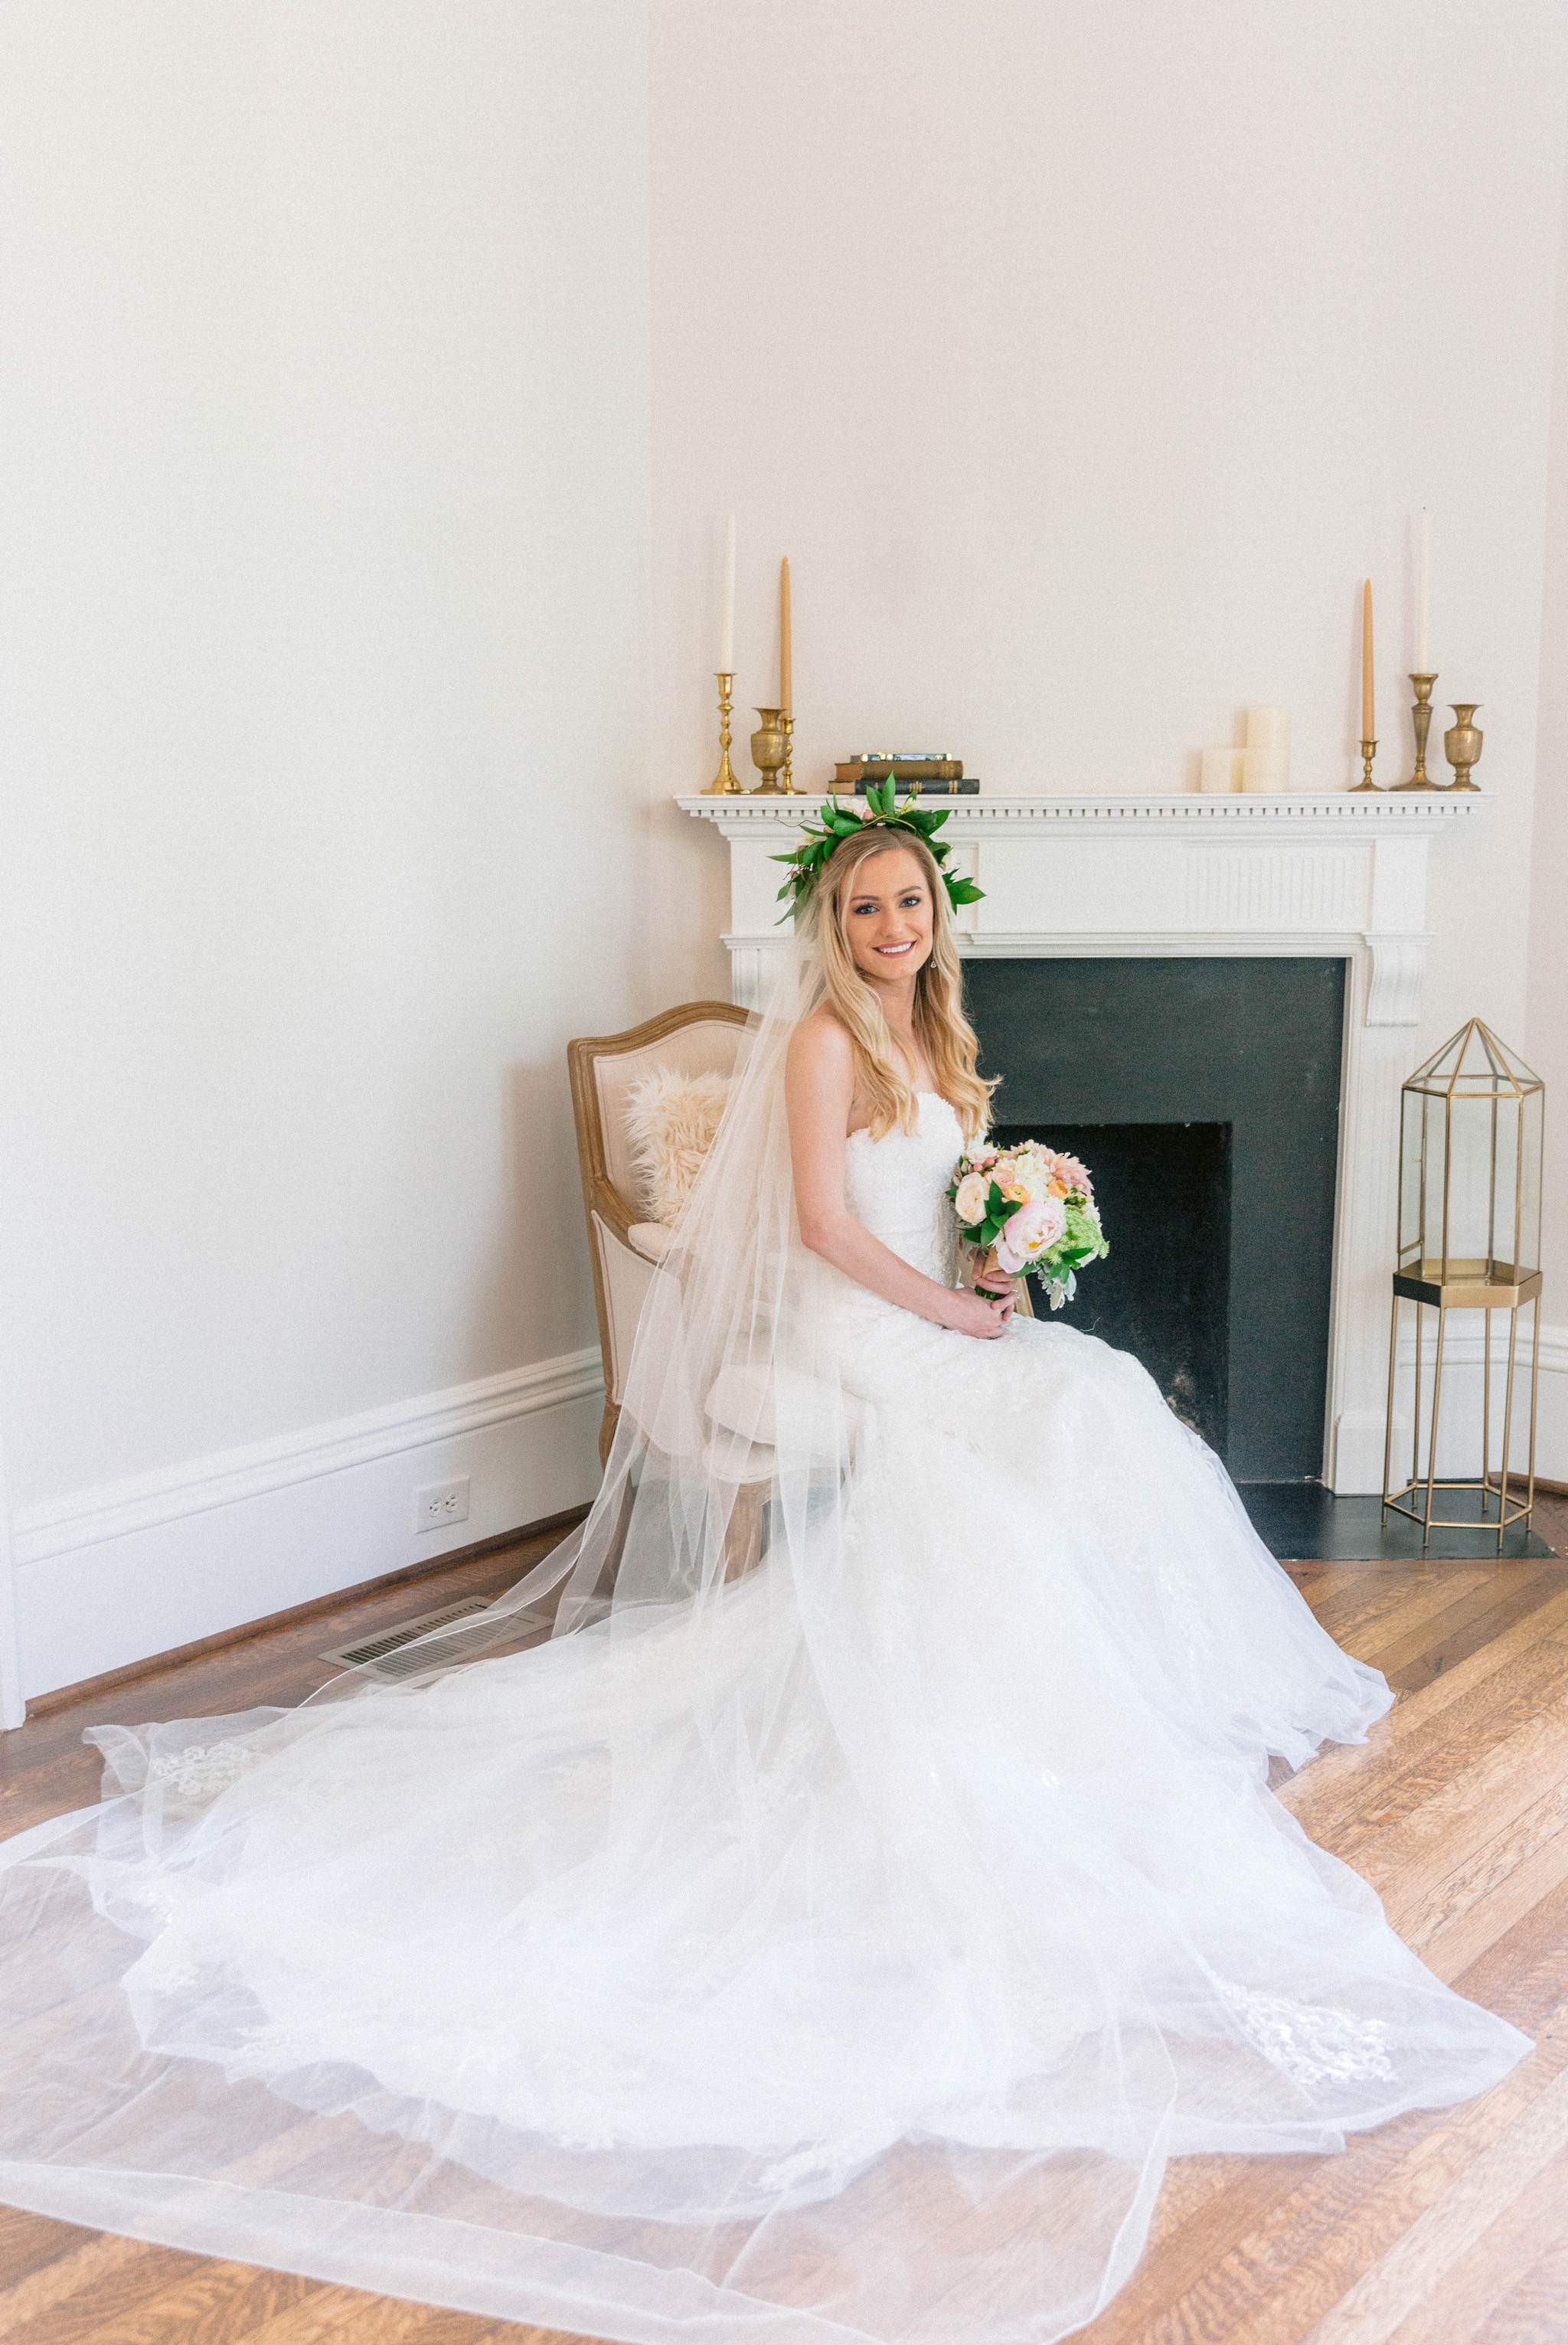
[
  {"x": 1445, "y": 1286},
  {"x": 1421, "y": 719},
  {"x": 1369, "y": 751},
  {"x": 770, "y": 748},
  {"x": 726, "y": 782}
]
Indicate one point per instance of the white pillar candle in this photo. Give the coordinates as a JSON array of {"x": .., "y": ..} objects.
[
  {"x": 1268, "y": 729},
  {"x": 1221, "y": 769},
  {"x": 1264, "y": 769},
  {"x": 726, "y": 637},
  {"x": 1424, "y": 599},
  {"x": 1266, "y": 760}
]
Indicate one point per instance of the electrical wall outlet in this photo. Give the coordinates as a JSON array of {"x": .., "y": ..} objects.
[{"x": 440, "y": 1503}]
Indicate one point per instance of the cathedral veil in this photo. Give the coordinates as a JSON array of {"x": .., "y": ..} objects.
[
  {"x": 715, "y": 1575},
  {"x": 823, "y": 1939}
]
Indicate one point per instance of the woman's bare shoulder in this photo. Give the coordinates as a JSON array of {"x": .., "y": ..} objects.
[{"x": 819, "y": 1046}]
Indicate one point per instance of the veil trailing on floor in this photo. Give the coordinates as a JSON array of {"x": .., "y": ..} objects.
[{"x": 823, "y": 1938}]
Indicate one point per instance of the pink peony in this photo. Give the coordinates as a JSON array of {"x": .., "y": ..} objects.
[{"x": 1032, "y": 1229}]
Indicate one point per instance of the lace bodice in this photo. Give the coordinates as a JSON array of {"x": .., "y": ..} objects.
[{"x": 896, "y": 1186}]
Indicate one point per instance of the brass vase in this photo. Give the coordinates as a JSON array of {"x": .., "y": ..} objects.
[
  {"x": 767, "y": 752},
  {"x": 1462, "y": 744}
]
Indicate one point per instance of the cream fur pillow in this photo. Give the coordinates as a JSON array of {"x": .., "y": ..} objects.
[{"x": 671, "y": 1120}]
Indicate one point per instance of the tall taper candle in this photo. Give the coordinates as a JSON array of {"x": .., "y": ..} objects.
[
  {"x": 1368, "y": 728},
  {"x": 1423, "y": 600},
  {"x": 727, "y": 636},
  {"x": 785, "y": 700}
]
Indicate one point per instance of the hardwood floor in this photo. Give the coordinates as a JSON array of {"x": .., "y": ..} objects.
[{"x": 1448, "y": 2228}]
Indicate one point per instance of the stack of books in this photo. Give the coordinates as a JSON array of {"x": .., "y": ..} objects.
[{"x": 929, "y": 772}]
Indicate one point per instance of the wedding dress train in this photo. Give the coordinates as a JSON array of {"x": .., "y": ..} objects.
[{"x": 825, "y": 1951}]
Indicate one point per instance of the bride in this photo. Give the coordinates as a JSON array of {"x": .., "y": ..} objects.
[{"x": 831, "y": 1932}]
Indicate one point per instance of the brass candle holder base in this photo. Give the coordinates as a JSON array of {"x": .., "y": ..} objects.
[
  {"x": 1421, "y": 719},
  {"x": 726, "y": 782},
  {"x": 1369, "y": 751},
  {"x": 768, "y": 750},
  {"x": 786, "y": 781}
]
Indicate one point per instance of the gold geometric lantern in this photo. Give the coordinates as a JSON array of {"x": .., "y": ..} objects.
[{"x": 1470, "y": 1240}]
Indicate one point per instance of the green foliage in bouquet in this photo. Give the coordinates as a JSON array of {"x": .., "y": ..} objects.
[
  {"x": 1085, "y": 1239},
  {"x": 883, "y": 810}
]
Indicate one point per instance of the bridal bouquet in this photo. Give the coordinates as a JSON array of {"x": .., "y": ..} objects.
[{"x": 1028, "y": 1208}]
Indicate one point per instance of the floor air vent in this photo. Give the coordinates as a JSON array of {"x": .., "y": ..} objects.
[{"x": 387, "y": 1656}]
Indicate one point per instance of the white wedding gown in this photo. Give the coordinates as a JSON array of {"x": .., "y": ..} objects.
[{"x": 846, "y": 1971}]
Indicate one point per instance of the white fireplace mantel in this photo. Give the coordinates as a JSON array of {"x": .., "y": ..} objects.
[
  {"x": 1271, "y": 873},
  {"x": 1344, "y": 875}
]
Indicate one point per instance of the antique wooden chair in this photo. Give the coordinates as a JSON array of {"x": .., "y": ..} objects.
[{"x": 699, "y": 1038}]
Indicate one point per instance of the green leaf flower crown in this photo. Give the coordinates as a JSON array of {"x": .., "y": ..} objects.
[{"x": 882, "y": 811}]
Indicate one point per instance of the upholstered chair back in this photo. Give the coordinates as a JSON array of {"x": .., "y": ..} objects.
[{"x": 700, "y": 1038}]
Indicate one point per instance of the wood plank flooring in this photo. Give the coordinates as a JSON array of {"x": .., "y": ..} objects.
[{"x": 1447, "y": 2228}]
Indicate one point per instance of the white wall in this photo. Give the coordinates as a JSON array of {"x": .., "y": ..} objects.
[
  {"x": 1083, "y": 359},
  {"x": 1546, "y": 1032},
  {"x": 325, "y": 516}
]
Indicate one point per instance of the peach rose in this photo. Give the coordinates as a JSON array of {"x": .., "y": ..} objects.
[{"x": 968, "y": 1202}]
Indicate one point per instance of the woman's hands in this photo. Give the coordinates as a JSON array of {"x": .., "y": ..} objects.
[{"x": 970, "y": 1312}]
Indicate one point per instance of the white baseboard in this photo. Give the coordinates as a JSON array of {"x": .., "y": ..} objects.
[
  {"x": 113, "y": 1576},
  {"x": 1358, "y": 1459},
  {"x": 1355, "y": 1468}
]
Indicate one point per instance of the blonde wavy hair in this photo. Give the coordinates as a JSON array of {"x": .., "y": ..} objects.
[{"x": 946, "y": 1036}]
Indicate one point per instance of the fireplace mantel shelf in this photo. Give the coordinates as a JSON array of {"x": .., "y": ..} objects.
[
  {"x": 1273, "y": 872},
  {"x": 1262, "y": 815}
]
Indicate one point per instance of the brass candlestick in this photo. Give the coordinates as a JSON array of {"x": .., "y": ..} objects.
[
  {"x": 787, "y": 726},
  {"x": 1421, "y": 719},
  {"x": 1462, "y": 744},
  {"x": 726, "y": 782},
  {"x": 1369, "y": 751},
  {"x": 767, "y": 752}
]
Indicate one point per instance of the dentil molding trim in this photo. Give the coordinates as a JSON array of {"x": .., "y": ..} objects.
[{"x": 1271, "y": 813}]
